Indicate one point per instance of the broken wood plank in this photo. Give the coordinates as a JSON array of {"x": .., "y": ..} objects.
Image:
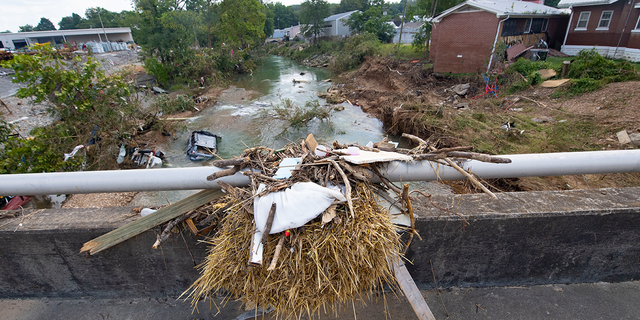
[
  {"x": 255, "y": 255},
  {"x": 311, "y": 142},
  {"x": 276, "y": 255},
  {"x": 143, "y": 224},
  {"x": 410, "y": 290}
]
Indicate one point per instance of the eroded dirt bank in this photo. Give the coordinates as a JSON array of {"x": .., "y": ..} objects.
[{"x": 409, "y": 98}]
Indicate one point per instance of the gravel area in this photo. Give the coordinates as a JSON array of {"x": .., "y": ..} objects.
[{"x": 99, "y": 200}]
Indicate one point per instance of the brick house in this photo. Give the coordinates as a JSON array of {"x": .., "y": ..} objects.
[
  {"x": 612, "y": 27},
  {"x": 463, "y": 37}
]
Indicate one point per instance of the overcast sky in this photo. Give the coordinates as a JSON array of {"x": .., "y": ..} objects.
[{"x": 17, "y": 13}]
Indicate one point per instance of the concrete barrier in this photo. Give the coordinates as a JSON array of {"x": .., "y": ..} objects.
[{"x": 520, "y": 238}]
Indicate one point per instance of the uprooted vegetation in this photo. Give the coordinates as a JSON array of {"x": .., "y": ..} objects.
[{"x": 92, "y": 110}]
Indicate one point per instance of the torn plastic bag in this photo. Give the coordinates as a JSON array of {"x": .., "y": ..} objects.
[
  {"x": 73, "y": 152},
  {"x": 294, "y": 206}
]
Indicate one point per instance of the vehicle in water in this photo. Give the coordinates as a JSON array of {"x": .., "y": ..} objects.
[{"x": 202, "y": 145}]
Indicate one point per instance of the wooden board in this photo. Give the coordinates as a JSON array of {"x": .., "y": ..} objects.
[
  {"x": 411, "y": 291},
  {"x": 143, "y": 224}
]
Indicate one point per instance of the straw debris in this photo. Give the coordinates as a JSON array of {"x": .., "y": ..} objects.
[{"x": 318, "y": 267}]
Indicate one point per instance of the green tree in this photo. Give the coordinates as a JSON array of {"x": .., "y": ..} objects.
[
  {"x": 372, "y": 21},
  {"x": 312, "y": 15},
  {"x": 350, "y": 5},
  {"x": 284, "y": 15},
  {"x": 428, "y": 9},
  {"x": 269, "y": 22},
  {"x": 25, "y": 28},
  {"x": 6, "y": 31},
  {"x": 82, "y": 98},
  {"x": 110, "y": 19},
  {"x": 44, "y": 25},
  {"x": 242, "y": 21},
  {"x": 70, "y": 22}
]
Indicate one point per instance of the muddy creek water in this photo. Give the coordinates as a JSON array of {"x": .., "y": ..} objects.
[{"x": 244, "y": 116}]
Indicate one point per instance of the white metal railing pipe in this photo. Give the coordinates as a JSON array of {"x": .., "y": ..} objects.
[{"x": 193, "y": 178}]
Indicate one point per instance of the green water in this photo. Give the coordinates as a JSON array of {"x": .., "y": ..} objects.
[{"x": 252, "y": 123}]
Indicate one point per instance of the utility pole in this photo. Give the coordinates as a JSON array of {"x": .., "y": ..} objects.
[
  {"x": 404, "y": 12},
  {"x": 105, "y": 31}
]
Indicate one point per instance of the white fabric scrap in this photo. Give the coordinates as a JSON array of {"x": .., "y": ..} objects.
[{"x": 295, "y": 206}]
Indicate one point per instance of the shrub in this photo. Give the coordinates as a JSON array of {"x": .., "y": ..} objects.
[{"x": 298, "y": 117}]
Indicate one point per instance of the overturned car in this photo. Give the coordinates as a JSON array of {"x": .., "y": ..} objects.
[{"x": 202, "y": 145}]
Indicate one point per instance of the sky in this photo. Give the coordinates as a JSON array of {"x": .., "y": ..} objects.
[{"x": 16, "y": 13}]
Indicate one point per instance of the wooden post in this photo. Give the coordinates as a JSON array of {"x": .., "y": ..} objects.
[{"x": 565, "y": 68}]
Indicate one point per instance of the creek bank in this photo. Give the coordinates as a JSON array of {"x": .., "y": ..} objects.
[{"x": 409, "y": 98}]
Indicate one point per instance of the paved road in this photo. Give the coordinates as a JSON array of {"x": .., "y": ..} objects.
[{"x": 576, "y": 301}]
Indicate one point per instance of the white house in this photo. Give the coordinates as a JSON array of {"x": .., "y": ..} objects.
[
  {"x": 409, "y": 30},
  {"x": 13, "y": 41},
  {"x": 336, "y": 25}
]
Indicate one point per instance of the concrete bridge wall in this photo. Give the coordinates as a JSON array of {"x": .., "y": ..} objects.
[{"x": 518, "y": 239}]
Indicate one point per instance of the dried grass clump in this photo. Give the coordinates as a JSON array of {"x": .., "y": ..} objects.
[{"x": 319, "y": 267}]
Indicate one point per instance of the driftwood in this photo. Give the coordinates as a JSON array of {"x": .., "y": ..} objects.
[
  {"x": 445, "y": 150},
  {"x": 470, "y": 177},
  {"x": 259, "y": 175},
  {"x": 267, "y": 226},
  {"x": 478, "y": 156},
  {"x": 432, "y": 156},
  {"x": 336, "y": 145},
  {"x": 223, "y": 173},
  {"x": 4, "y": 105},
  {"x": 451, "y": 163},
  {"x": 8, "y": 214},
  {"x": 422, "y": 145},
  {"x": 167, "y": 231},
  {"x": 347, "y": 186},
  {"x": 212, "y": 216},
  {"x": 276, "y": 255},
  {"x": 230, "y": 162}
]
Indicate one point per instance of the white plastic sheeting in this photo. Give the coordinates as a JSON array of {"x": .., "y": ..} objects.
[{"x": 294, "y": 206}]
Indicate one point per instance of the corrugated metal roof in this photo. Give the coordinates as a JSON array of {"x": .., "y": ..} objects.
[
  {"x": 581, "y": 3},
  {"x": 339, "y": 15},
  {"x": 503, "y": 8}
]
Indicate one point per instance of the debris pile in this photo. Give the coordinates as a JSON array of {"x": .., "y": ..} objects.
[{"x": 311, "y": 232}]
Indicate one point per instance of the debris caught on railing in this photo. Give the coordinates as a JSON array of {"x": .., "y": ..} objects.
[{"x": 310, "y": 231}]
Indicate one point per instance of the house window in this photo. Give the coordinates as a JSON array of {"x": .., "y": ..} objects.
[
  {"x": 583, "y": 20},
  {"x": 527, "y": 26},
  {"x": 538, "y": 25},
  {"x": 637, "y": 29},
  {"x": 605, "y": 19}
]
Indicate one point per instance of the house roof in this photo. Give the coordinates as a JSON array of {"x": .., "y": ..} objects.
[
  {"x": 413, "y": 24},
  {"x": 339, "y": 15},
  {"x": 504, "y": 8},
  {"x": 582, "y": 3}
]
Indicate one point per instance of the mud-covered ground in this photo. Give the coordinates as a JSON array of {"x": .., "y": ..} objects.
[{"x": 385, "y": 87}]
